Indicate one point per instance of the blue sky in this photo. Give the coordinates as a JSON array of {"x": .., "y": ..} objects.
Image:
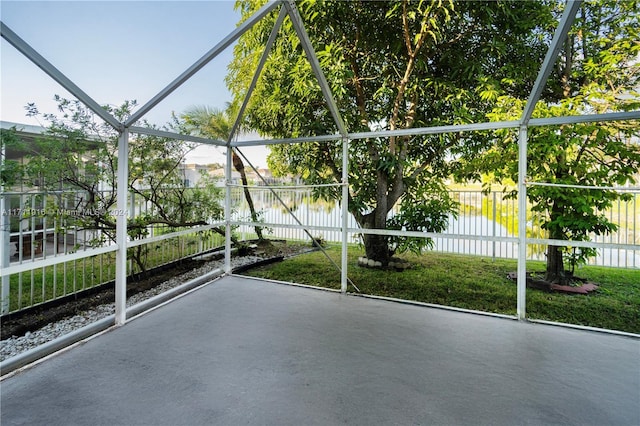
[{"x": 116, "y": 51}]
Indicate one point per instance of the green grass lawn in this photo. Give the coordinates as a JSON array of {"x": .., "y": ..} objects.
[{"x": 477, "y": 283}]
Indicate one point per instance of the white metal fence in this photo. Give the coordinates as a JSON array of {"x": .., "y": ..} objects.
[
  {"x": 486, "y": 225},
  {"x": 38, "y": 229}
]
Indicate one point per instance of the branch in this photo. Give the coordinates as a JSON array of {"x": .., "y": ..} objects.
[
  {"x": 405, "y": 29},
  {"x": 584, "y": 147},
  {"x": 360, "y": 96},
  {"x": 412, "y": 53},
  {"x": 168, "y": 222},
  {"x": 597, "y": 159}
]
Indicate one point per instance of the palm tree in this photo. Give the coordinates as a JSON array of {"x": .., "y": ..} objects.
[{"x": 215, "y": 123}]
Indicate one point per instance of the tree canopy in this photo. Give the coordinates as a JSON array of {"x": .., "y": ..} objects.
[
  {"x": 597, "y": 72},
  {"x": 390, "y": 65}
]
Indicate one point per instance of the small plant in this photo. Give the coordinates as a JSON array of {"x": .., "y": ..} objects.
[{"x": 318, "y": 241}]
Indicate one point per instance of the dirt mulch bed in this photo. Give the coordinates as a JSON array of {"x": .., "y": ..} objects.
[
  {"x": 30, "y": 319},
  {"x": 578, "y": 286}
]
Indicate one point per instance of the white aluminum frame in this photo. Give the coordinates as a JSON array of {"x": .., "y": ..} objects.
[
  {"x": 200, "y": 63},
  {"x": 124, "y": 129},
  {"x": 5, "y": 237},
  {"x": 46, "y": 66},
  {"x": 288, "y": 8}
]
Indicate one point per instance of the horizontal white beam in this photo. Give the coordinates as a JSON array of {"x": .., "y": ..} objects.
[
  {"x": 565, "y": 243},
  {"x": 418, "y": 234},
  {"x": 588, "y": 244},
  {"x": 609, "y": 188},
  {"x": 475, "y": 127},
  {"x": 587, "y": 118},
  {"x": 285, "y": 187},
  {"x": 176, "y": 136},
  {"x": 286, "y": 226},
  {"x": 149, "y": 240},
  {"x": 436, "y": 130},
  {"x": 43, "y": 263},
  {"x": 261, "y": 142},
  {"x": 386, "y": 133},
  {"x": 389, "y": 232}
]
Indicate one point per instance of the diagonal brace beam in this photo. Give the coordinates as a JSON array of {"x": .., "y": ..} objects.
[
  {"x": 177, "y": 136},
  {"x": 204, "y": 60},
  {"x": 306, "y": 231},
  {"x": 559, "y": 37},
  {"x": 315, "y": 65},
  {"x": 46, "y": 66},
  {"x": 256, "y": 75}
]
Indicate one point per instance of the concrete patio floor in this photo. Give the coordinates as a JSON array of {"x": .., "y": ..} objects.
[{"x": 241, "y": 351}]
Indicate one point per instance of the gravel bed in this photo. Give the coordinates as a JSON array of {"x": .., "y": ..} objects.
[{"x": 16, "y": 345}]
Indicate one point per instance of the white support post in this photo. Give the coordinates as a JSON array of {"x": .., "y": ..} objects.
[
  {"x": 522, "y": 224},
  {"x": 345, "y": 213},
  {"x": 5, "y": 252},
  {"x": 5, "y": 240},
  {"x": 227, "y": 212},
  {"x": 493, "y": 229},
  {"x": 121, "y": 227}
]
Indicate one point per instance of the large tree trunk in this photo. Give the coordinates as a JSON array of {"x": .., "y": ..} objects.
[
  {"x": 377, "y": 248},
  {"x": 555, "y": 272},
  {"x": 239, "y": 166}
]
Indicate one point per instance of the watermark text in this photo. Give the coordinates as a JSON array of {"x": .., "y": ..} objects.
[{"x": 35, "y": 212}]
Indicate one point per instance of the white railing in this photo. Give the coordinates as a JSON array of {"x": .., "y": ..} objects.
[
  {"x": 47, "y": 260},
  {"x": 485, "y": 225},
  {"x": 43, "y": 258}
]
